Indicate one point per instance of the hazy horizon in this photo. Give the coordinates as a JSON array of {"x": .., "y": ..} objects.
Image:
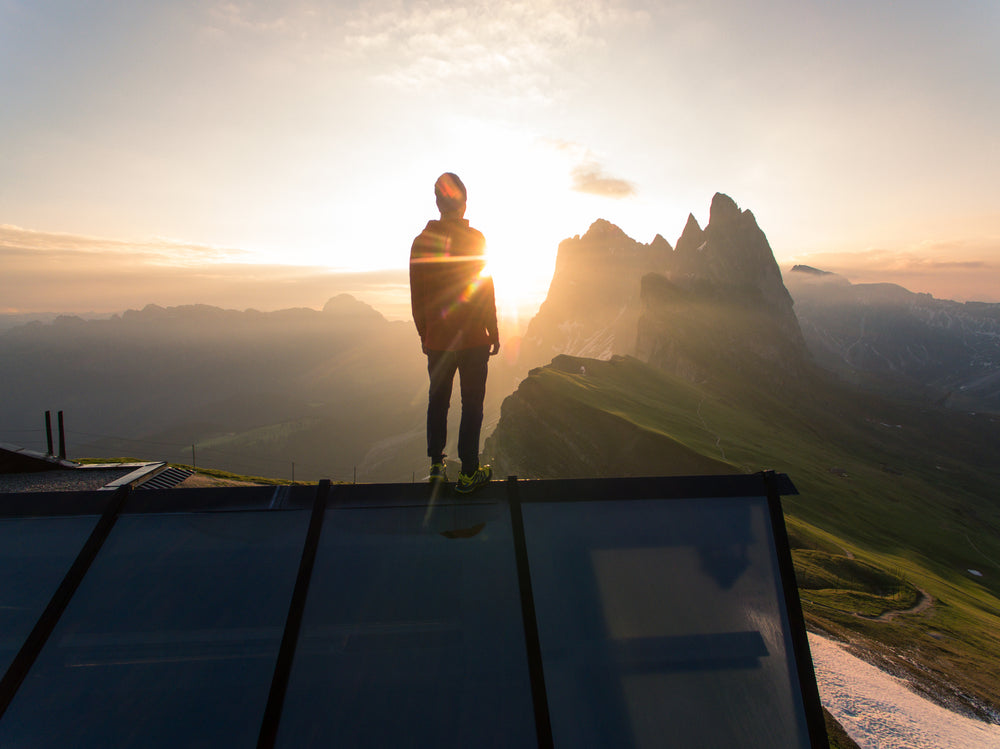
[
  {"x": 91, "y": 277},
  {"x": 246, "y": 154}
]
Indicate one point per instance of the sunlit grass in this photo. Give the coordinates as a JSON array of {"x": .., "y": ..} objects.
[{"x": 878, "y": 522}]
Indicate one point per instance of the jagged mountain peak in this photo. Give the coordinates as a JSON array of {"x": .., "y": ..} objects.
[
  {"x": 602, "y": 228},
  {"x": 731, "y": 251},
  {"x": 725, "y": 212},
  {"x": 597, "y": 296},
  {"x": 692, "y": 238},
  {"x": 592, "y": 306},
  {"x": 721, "y": 303},
  {"x": 723, "y": 209},
  {"x": 661, "y": 245}
]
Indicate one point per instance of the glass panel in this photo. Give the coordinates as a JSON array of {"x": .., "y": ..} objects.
[
  {"x": 663, "y": 620},
  {"x": 170, "y": 640},
  {"x": 412, "y": 634},
  {"x": 35, "y": 554}
]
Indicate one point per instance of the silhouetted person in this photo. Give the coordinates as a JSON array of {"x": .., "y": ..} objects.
[{"x": 455, "y": 311}]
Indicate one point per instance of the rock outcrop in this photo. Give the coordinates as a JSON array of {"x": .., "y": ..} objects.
[
  {"x": 592, "y": 308},
  {"x": 721, "y": 307},
  {"x": 716, "y": 302}
]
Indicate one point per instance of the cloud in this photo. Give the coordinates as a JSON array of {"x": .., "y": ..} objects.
[
  {"x": 67, "y": 274},
  {"x": 510, "y": 47},
  {"x": 16, "y": 240},
  {"x": 591, "y": 179},
  {"x": 587, "y": 174},
  {"x": 287, "y": 18}
]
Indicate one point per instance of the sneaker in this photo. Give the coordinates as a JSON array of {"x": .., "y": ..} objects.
[
  {"x": 438, "y": 474},
  {"x": 468, "y": 484}
]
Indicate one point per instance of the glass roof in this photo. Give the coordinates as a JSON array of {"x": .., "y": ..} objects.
[{"x": 557, "y": 613}]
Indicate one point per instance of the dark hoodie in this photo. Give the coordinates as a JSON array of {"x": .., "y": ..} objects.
[{"x": 453, "y": 303}]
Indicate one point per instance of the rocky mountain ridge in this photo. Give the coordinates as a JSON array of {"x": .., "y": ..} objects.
[
  {"x": 885, "y": 337},
  {"x": 715, "y": 302},
  {"x": 721, "y": 306}
]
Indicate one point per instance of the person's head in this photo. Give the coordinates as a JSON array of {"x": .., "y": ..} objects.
[{"x": 450, "y": 195}]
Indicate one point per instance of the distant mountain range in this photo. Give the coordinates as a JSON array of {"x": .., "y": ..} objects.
[
  {"x": 340, "y": 393},
  {"x": 890, "y": 339},
  {"x": 253, "y": 392}
]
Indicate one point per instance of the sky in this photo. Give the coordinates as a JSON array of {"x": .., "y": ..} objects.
[{"x": 274, "y": 154}]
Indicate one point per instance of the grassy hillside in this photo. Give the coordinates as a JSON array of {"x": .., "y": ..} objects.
[{"x": 896, "y": 503}]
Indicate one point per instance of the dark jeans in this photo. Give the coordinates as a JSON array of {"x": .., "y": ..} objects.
[{"x": 471, "y": 365}]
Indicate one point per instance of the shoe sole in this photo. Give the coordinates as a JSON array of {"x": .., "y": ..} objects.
[{"x": 469, "y": 489}]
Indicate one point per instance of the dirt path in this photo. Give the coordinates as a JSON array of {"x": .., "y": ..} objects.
[
  {"x": 718, "y": 437},
  {"x": 924, "y": 603}
]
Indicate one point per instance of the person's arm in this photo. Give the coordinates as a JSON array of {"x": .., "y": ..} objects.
[
  {"x": 491, "y": 316},
  {"x": 418, "y": 292}
]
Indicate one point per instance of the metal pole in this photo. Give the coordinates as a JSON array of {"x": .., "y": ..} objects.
[
  {"x": 193, "y": 463},
  {"x": 48, "y": 431},
  {"x": 62, "y": 438}
]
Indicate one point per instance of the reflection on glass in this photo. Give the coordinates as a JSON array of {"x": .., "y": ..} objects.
[
  {"x": 663, "y": 620},
  {"x": 170, "y": 640},
  {"x": 35, "y": 554},
  {"x": 412, "y": 634}
]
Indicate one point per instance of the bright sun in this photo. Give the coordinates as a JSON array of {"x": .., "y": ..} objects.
[
  {"x": 519, "y": 198},
  {"x": 521, "y": 266}
]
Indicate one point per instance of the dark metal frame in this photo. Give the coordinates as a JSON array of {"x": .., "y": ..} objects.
[
  {"x": 39, "y": 635},
  {"x": 513, "y": 492}
]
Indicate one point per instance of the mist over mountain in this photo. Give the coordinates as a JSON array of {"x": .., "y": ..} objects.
[
  {"x": 885, "y": 337},
  {"x": 256, "y": 390}
]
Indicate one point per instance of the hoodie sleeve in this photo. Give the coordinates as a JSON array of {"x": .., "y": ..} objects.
[
  {"x": 418, "y": 287},
  {"x": 490, "y": 309}
]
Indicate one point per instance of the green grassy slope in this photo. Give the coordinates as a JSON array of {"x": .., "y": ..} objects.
[{"x": 896, "y": 503}]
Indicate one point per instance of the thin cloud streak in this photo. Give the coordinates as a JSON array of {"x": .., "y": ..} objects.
[
  {"x": 15, "y": 239},
  {"x": 60, "y": 273}
]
